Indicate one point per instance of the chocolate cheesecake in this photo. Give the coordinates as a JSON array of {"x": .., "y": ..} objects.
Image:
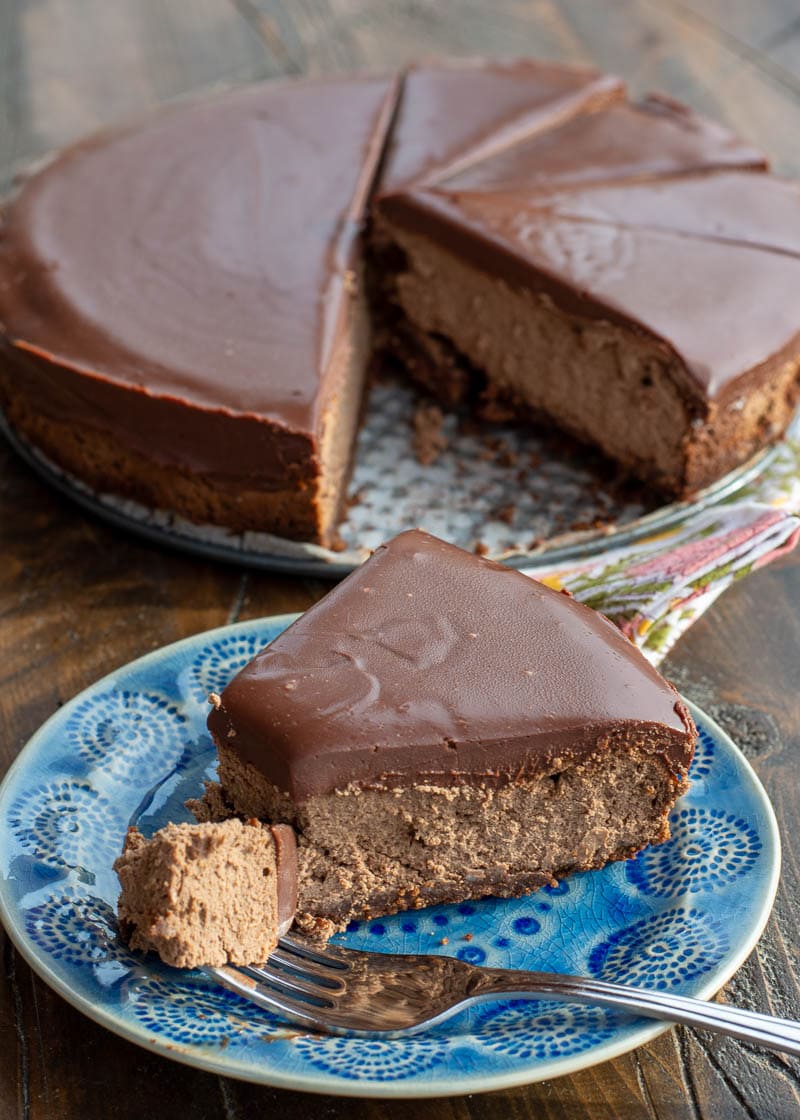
[
  {"x": 185, "y": 311},
  {"x": 208, "y": 894},
  {"x": 439, "y": 728},
  {"x": 624, "y": 275},
  {"x": 181, "y": 303}
]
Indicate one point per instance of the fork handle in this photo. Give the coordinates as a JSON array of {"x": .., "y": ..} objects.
[{"x": 766, "y": 1030}]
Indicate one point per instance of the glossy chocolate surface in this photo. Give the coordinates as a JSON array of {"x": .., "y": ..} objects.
[
  {"x": 430, "y": 663},
  {"x": 647, "y": 215},
  {"x": 452, "y": 115},
  {"x": 722, "y": 308},
  {"x": 202, "y": 256},
  {"x": 758, "y": 210},
  {"x": 623, "y": 140}
]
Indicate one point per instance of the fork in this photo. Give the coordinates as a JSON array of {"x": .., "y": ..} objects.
[{"x": 346, "y": 991}]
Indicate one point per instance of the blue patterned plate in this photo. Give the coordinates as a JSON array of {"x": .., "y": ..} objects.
[{"x": 680, "y": 917}]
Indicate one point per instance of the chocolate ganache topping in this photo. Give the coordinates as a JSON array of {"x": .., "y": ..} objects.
[
  {"x": 601, "y": 269},
  {"x": 761, "y": 211},
  {"x": 451, "y": 117},
  {"x": 201, "y": 259},
  {"x": 431, "y": 664},
  {"x": 595, "y": 214},
  {"x": 622, "y": 140}
]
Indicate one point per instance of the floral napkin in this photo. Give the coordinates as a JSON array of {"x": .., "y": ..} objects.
[{"x": 656, "y": 588}]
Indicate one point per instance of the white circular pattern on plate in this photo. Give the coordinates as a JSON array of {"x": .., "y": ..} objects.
[
  {"x": 216, "y": 665},
  {"x": 64, "y": 823},
  {"x": 378, "y": 1059},
  {"x": 134, "y": 736},
  {"x": 77, "y": 929},
  {"x": 538, "y": 1030},
  {"x": 662, "y": 951},
  {"x": 715, "y": 848},
  {"x": 194, "y": 1013},
  {"x": 486, "y": 485}
]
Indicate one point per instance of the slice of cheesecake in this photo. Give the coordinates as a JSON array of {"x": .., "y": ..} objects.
[
  {"x": 439, "y": 728},
  {"x": 550, "y": 308},
  {"x": 453, "y": 114},
  {"x": 208, "y": 894}
]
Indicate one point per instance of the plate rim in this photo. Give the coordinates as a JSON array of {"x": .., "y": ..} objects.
[
  {"x": 226, "y": 1066},
  {"x": 563, "y": 548}
]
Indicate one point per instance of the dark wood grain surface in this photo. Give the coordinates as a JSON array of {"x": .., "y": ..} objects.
[{"x": 78, "y": 598}]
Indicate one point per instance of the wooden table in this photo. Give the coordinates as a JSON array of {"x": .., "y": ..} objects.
[{"x": 79, "y": 599}]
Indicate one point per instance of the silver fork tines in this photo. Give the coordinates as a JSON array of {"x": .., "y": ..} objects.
[{"x": 345, "y": 991}]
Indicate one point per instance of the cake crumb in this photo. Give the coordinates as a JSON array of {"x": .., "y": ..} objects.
[
  {"x": 467, "y": 936},
  {"x": 506, "y": 457},
  {"x": 215, "y": 699},
  {"x": 481, "y": 548},
  {"x": 444, "y": 941},
  {"x": 506, "y": 513},
  {"x": 429, "y": 439},
  {"x": 356, "y": 498}
]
